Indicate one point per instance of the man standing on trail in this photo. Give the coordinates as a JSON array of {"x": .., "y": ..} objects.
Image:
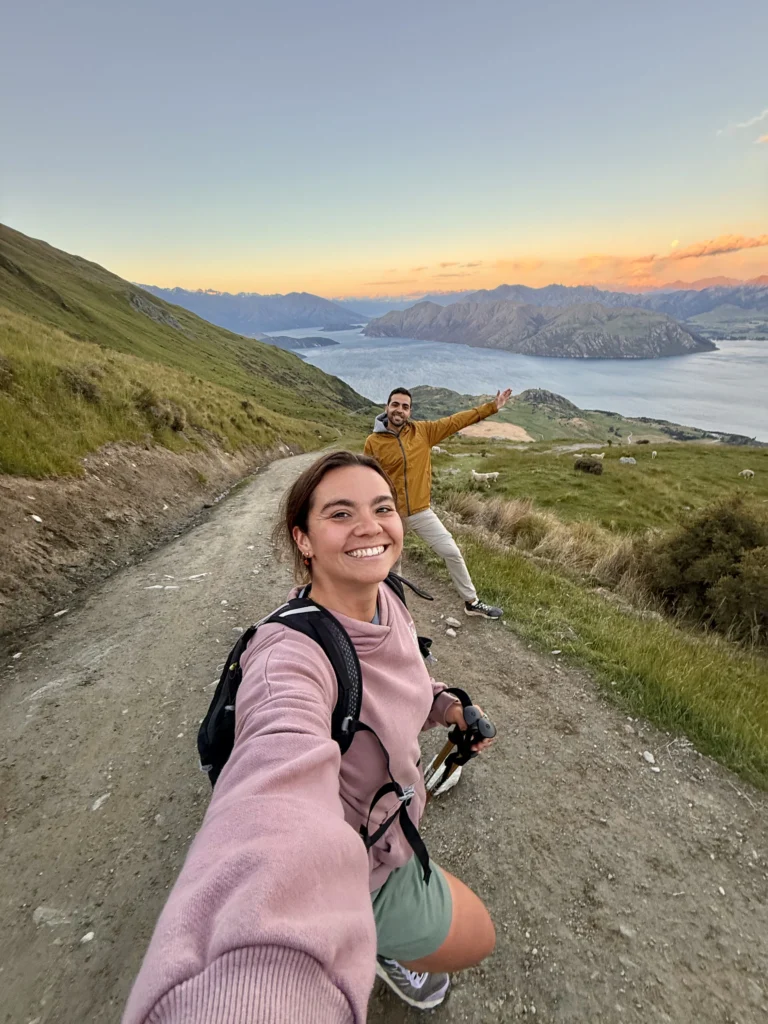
[{"x": 403, "y": 448}]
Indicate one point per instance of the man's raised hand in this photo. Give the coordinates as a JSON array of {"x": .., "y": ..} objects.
[{"x": 502, "y": 397}]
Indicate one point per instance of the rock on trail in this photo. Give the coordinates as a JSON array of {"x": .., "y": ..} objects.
[{"x": 618, "y": 895}]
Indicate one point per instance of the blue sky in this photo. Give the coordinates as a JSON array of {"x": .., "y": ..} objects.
[{"x": 335, "y": 145}]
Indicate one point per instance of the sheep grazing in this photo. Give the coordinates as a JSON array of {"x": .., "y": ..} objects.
[
  {"x": 747, "y": 473},
  {"x": 643, "y": 440},
  {"x": 437, "y": 450},
  {"x": 627, "y": 460},
  {"x": 486, "y": 478},
  {"x": 596, "y": 455},
  {"x": 588, "y": 464},
  {"x": 653, "y": 455}
]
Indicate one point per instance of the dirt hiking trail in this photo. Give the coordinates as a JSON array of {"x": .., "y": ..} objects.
[{"x": 619, "y": 894}]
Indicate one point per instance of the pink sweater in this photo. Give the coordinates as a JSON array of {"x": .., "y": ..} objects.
[{"x": 270, "y": 920}]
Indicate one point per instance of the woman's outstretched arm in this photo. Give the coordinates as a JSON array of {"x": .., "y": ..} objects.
[{"x": 270, "y": 920}]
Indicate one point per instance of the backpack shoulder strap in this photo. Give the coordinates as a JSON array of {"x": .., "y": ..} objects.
[
  {"x": 398, "y": 583},
  {"x": 304, "y": 616}
]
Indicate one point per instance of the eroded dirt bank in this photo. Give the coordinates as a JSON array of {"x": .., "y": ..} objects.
[{"x": 130, "y": 498}]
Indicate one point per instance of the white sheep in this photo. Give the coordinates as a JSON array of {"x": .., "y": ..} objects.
[
  {"x": 627, "y": 460},
  {"x": 595, "y": 455},
  {"x": 653, "y": 455},
  {"x": 747, "y": 473},
  {"x": 437, "y": 450},
  {"x": 486, "y": 478}
]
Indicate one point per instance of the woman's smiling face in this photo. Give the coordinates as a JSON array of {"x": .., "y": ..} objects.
[{"x": 354, "y": 533}]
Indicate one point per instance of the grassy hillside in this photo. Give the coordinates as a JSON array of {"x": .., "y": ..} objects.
[
  {"x": 86, "y": 357},
  {"x": 568, "y": 555},
  {"x": 548, "y": 417},
  {"x": 690, "y": 683},
  {"x": 654, "y": 494}
]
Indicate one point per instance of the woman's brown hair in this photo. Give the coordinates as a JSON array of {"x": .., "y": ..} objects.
[{"x": 297, "y": 502}]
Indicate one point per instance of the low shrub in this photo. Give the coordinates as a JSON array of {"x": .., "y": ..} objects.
[
  {"x": 587, "y": 465},
  {"x": 712, "y": 568},
  {"x": 81, "y": 384},
  {"x": 161, "y": 412},
  {"x": 740, "y": 602}
]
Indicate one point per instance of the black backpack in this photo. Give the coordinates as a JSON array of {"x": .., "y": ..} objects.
[{"x": 216, "y": 736}]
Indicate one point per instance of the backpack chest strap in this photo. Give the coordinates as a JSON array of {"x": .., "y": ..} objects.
[{"x": 404, "y": 797}]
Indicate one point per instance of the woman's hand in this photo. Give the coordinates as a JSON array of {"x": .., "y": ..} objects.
[{"x": 455, "y": 716}]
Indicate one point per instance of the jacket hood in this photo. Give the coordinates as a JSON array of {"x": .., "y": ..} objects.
[{"x": 381, "y": 423}]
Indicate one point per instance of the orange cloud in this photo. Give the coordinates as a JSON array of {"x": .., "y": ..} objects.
[
  {"x": 763, "y": 138},
  {"x": 718, "y": 246},
  {"x": 417, "y": 270},
  {"x": 449, "y": 264}
]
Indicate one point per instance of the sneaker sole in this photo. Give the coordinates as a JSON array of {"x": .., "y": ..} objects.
[
  {"x": 483, "y": 615},
  {"x": 436, "y": 1000}
]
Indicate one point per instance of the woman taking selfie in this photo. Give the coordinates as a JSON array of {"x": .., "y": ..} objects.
[{"x": 281, "y": 913}]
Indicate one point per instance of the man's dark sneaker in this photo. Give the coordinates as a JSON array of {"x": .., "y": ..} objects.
[
  {"x": 481, "y": 608},
  {"x": 424, "y": 991}
]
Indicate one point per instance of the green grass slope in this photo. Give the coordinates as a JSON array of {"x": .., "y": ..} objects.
[
  {"x": 86, "y": 357},
  {"x": 655, "y": 493}
]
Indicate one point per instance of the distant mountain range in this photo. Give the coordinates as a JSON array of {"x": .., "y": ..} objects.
[
  {"x": 249, "y": 313},
  {"x": 716, "y": 307},
  {"x": 587, "y": 331}
]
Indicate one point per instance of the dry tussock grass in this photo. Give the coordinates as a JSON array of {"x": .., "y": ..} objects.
[{"x": 582, "y": 548}]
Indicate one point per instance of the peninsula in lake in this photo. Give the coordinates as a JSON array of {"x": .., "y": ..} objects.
[{"x": 581, "y": 331}]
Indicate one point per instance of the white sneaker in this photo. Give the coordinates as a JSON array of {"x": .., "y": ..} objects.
[{"x": 424, "y": 991}]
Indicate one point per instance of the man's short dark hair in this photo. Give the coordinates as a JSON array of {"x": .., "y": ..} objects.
[{"x": 400, "y": 391}]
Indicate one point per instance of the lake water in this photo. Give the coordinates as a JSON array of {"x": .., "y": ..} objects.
[{"x": 724, "y": 390}]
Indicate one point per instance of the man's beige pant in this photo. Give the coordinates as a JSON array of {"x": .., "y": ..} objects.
[{"x": 427, "y": 526}]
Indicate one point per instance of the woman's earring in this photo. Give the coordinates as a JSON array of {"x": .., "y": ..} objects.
[{"x": 307, "y": 559}]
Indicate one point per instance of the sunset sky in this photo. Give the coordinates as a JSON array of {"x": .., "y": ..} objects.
[{"x": 349, "y": 148}]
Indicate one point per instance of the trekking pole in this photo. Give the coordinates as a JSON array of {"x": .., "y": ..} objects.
[{"x": 458, "y": 750}]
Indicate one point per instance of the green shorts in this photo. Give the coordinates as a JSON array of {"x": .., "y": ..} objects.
[{"x": 412, "y": 919}]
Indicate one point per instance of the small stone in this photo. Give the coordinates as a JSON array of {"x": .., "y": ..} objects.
[
  {"x": 99, "y": 801},
  {"x": 36, "y": 518},
  {"x": 88, "y": 937},
  {"x": 57, "y": 615},
  {"x": 648, "y": 757},
  {"x": 225, "y": 602},
  {"x": 453, "y": 623},
  {"x": 49, "y": 916},
  {"x": 721, "y": 890},
  {"x": 656, "y": 769},
  {"x": 626, "y": 931},
  {"x": 556, "y": 651},
  {"x": 629, "y": 730},
  {"x": 451, "y": 632},
  {"x": 17, "y": 655}
]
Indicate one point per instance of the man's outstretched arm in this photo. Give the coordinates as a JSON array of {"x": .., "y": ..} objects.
[{"x": 438, "y": 430}]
